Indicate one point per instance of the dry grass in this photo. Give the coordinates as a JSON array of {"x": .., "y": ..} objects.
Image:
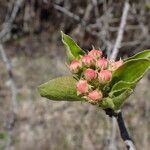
[{"x": 49, "y": 125}]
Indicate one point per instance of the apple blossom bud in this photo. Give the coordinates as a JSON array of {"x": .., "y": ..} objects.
[
  {"x": 95, "y": 53},
  {"x": 102, "y": 63},
  {"x": 82, "y": 87},
  {"x": 115, "y": 65},
  {"x": 104, "y": 76},
  {"x": 90, "y": 74},
  {"x": 88, "y": 60},
  {"x": 75, "y": 66},
  {"x": 94, "y": 96}
]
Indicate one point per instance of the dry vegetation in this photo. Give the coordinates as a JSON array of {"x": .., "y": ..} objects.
[{"x": 36, "y": 54}]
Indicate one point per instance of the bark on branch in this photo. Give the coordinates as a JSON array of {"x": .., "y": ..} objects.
[
  {"x": 122, "y": 128},
  {"x": 124, "y": 132}
]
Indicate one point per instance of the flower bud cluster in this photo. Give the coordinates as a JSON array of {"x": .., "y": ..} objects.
[{"x": 93, "y": 72}]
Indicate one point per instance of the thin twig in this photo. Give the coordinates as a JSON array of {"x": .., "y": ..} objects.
[
  {"x": 83, "y": 21},
  {"x": 122, "y": 127},
  {"x": 7, "y": 26},
  {"x": 120, "y": 31},
  {"x": 124, "y": 133},
  {"x": 95, "y": 3},
  {"x": 10, "y": 123},
  {"x": 69, "y": 14},
  {"x": 113, "y": 56},
  {"x": 10, "y": 74},
  {"x": 112, "y": 145}
]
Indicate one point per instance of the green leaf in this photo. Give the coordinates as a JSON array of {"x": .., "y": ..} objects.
[
  {"x": 107, "y": 103},
  {"x": 116, "y": 93},
  {"x": 119, "y": 100},
  {"x": 144, "y": 54},
  {"x": 116, "y": 102},
  {"x": 124, "y": 80},
  {"x": 122, "y": 84},
  {"x": 119, "y": 88},
  {"x": 73, "y": 50},
  {"x": 62, "y": 88},
  {"x": 131, "y": 71}
]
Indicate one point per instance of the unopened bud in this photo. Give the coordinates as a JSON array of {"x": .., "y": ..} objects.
[
  {"x": 75, "y": 66},
  {"x": 115, "y": 65},
  {"x": 88, "y": 60},
  {"x": 94, "y": 96},
  {"x": 95, "y": 53},
  {"x": 102, "y": 63},
  {"x": 104, "y": 76},
  {"x": 90, "y": 74},
  {"x": 82, "y": 87}
]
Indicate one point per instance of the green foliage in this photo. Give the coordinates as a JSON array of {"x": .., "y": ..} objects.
[
  {"x": 123, "y": 82},
  {"x": 107, "y": 103},
  {"x": 62, "y": 88},
  {"x": 125, "y": 78},
  {"x": 73, "y": 50},
  {"x": 144, "y": 54},
  {"x": 131, "y": 71},
  {"x": 119, "y": 100},
  {"x": 3, "y": 135},
  {"x": 116, "y": 102},
  {"x": 147, "y": 5}
]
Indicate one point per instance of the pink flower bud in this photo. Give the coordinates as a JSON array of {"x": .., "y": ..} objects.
[
  {"x": 90, "y": 74},
  {"x": 75, "y": 66},
  {"x": 104, "y": 76},
  {"x": 82, "y": 87},
  {"x": 95, "y": 53},
  {"x": 102, "y": 63},
  {"x": 115, "y": 65},
  {"x": 94, "y": 96},
  {"x": 88, "y": 60}
]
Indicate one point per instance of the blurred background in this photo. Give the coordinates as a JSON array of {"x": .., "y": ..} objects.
[{"x": 31, "y": 52}]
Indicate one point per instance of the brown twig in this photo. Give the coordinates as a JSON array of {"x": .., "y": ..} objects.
[
  {"x": 122, "y": 127},
  {"x": 120, "y": 31},
  {"x": 124, "y": 133},
  {"x": 69, "y": 14},
  {"x": 7, "y": 26},
  {"x": 118, "y": 116}
]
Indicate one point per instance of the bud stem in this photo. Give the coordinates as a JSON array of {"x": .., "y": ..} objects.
[{"x": 122, "y": 127}]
